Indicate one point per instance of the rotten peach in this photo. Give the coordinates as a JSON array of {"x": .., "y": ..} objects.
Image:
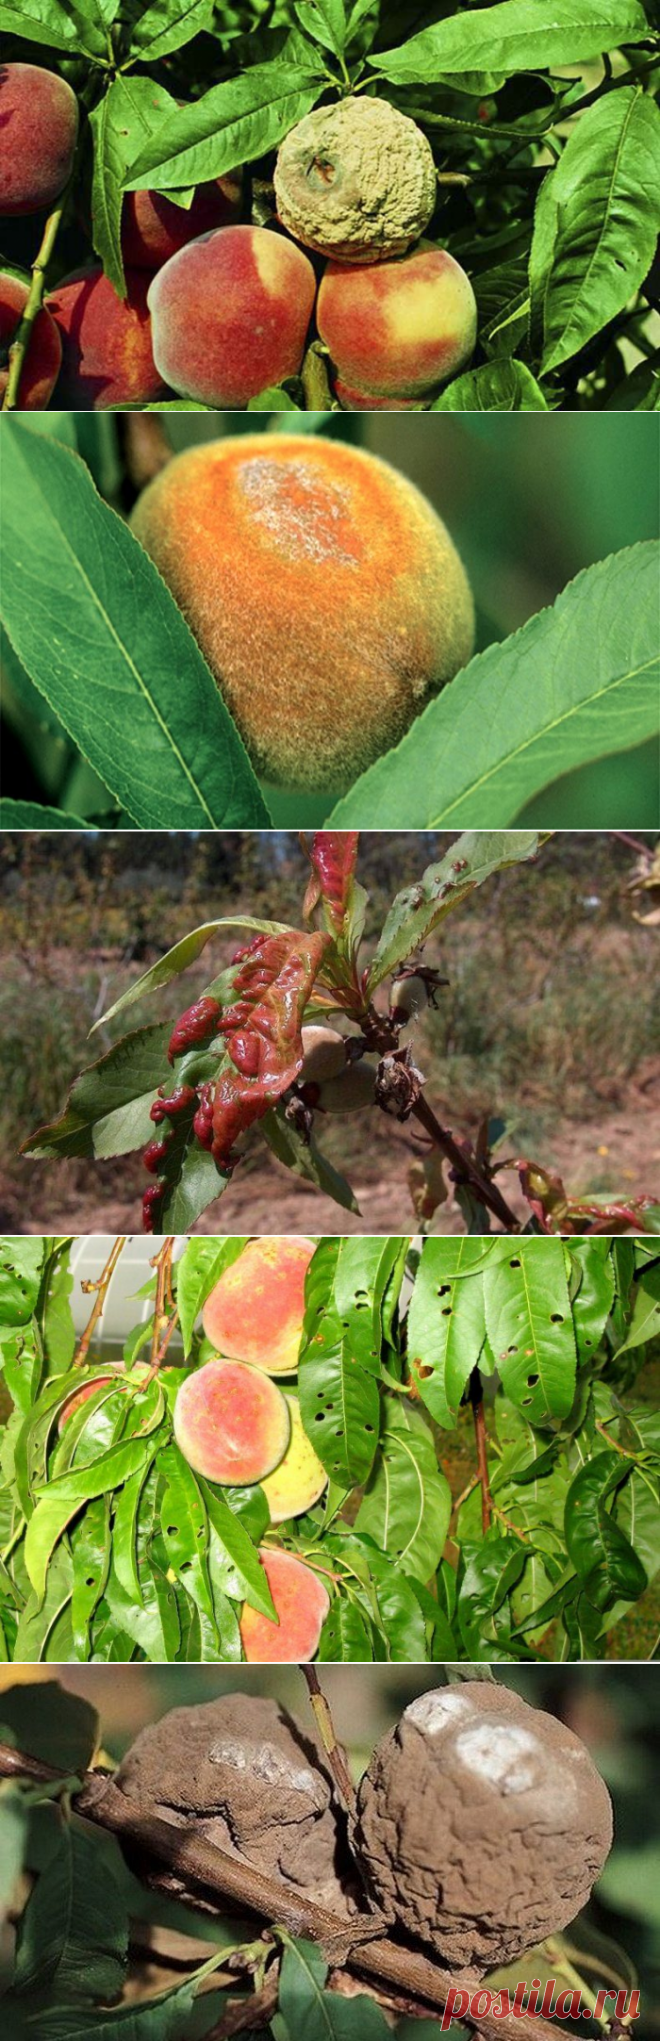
[{"x": 325, "y": 593}]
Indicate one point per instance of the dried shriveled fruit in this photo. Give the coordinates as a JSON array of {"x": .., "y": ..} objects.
[
  {"x": 356, "y": 181},
  {"x": 482, "y": 1824},
  {"x": 242, "y": 1770}
]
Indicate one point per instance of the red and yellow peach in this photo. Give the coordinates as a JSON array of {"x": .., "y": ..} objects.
[
  {"x": 38, "y": 133},
  {"x": 302, "y": 1602},
  {"x": 256, "y": 1311},
  {"x": 44, "y": 353},
  {"x": 231, "y": 1423},
  {"x": 400, "y": 328},
  {"x": 107, "y": 357},
  {"x": 230, "y": 315}
]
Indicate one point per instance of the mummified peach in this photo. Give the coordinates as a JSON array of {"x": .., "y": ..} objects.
[
  {"x": 302, "y": 1603},
  {"x": 323, "y": 590},
  {"x": 230, "y": 315},
  {"x": 231, "y": 1423},
  {"x": 255, "y": 1313}
]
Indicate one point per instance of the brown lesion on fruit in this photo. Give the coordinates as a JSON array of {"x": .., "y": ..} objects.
[{"x": 356, "y": 181}]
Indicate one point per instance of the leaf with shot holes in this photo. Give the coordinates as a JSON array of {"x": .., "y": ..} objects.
[
  {"x": 592, "y": 1300},
  {"x": 530, "y": 1327},
  {"x": 446, "y": 1323},
  {"x": 407, "y": 1502},
  {"x": 338, "y": 1377}
]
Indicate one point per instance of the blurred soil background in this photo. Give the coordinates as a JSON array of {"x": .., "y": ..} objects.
[
  {"x": 550, "y": 1018},
  {"x": 613, "y": 1708}
]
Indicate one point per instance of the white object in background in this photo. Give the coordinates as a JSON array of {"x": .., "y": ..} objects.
[{"x": 122, "y": 1309}]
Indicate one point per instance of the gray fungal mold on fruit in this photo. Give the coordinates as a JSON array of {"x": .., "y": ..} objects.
[
  {"x": 241, "y": 1771},
  {"x": 481, "y": 1825},
  {"x": 356, "y": 181}
]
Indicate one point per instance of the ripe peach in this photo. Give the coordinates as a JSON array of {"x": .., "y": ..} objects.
[
  {"x": 323, "y": 590},
  {"x": 302, "y": 1603},
  {"x": 230, "y": 315},
  {"x": 400, "y": 328},
  {"x": 300, "y": 1479},
  {"x": 107, "y": 357},
  {"x": 153, "y": 229},
  {"x": 255, "y": 1313},
  {"x": 80, "y": 1396},
  {"x": 231, "y": 1423},
  {"x": 38, "y": 133},
  {"x": 361, "y": 400},
  {"x": 44, "y": 354}
]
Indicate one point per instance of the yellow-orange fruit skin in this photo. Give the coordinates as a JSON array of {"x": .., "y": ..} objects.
[
  {"x": 300, "y": 1480},
  {"x": 399, "y": 329},
  {"x": 153, "y": 229},
  {"x": 231, "y": 1423},
  {"x": 302, "y": 1603},
  {"x": 38, "y": 132},
  {"x": 107, "y": 356},
  {"x": 44, "y": 354},
  {"x": 253, "y": 295},
  {"x": 325, "y": 593},
  {"x": 255, "y": 1313}
]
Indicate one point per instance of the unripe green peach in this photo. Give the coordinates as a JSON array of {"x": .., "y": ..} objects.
[
  {"x": 400, "y": 329},
  {"x": 325, "y": 594},
  {"x": 324, "y": 1053},
  {"x": 356, "y": 181},
  {"x": 38, "y": 132},
  {"x": 350, "y": 1092},
  {"x": 230, "y": 315}
]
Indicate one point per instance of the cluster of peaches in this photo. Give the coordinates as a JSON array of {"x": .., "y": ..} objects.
[
  {"x": 218, "y": 311},
  {"x": 236, "y": 1427}
]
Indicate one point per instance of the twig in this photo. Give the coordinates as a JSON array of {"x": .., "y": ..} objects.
[
  {"x": 19, "y": 347},
  {"x": 101, "y": 1286},
  {"x": 162, "y": 1262},
  {"x": 326, "y": 1729},
  {"x": 467, "y": 1169},
  {"x": 248, "y": 2015},
  {"x": 477, "y": 1401},
  {"x": 226, "y": 1877}
]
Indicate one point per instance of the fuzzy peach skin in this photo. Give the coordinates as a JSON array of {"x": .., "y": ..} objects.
[
  {"x": 231, "y": 1423},
  {"x": 107, "y": 356},
  {"x": 38, "y": 134},
  {"x": 325, "y": 594},
  {"x": 300, "y": 1480},
  {"x": 153, "y": 229},
  {"x": 230, "y": 315},
  {"x": 397, "y": 330},
  {"x": 44, "y": 355},
  {"x": 361, "y": 400},
  {"x": 302, "y": 1603},
  {"x": 256, "y": 1311}
]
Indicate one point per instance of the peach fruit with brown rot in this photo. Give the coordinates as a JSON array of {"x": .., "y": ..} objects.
[
  {"x": 230, "y": 315},
  {"x": 231, "y": 1423},
  {"x": 325, "y": 593},
  {"x": 301, "y": 1601},
  {"x": 255, "y": 1312},
  {"x": 356, "y": 181}
]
